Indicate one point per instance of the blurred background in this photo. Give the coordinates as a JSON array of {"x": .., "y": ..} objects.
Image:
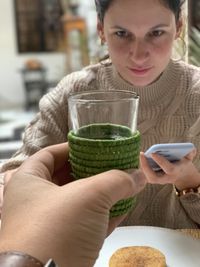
[{"x": 44, "y": 40}]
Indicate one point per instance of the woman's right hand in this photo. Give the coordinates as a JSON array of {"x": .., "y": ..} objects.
[{"x": 183, "y": 173}]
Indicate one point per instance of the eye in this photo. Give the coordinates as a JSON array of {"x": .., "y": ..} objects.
[
  {"x": 157, "y": 33},
  {"x": 122, "y": 34}
]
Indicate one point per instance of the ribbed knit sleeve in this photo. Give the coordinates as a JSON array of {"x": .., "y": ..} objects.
[{"x": 158, "y": 205}]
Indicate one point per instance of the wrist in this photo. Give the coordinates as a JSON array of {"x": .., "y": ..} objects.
[
  {"x": 27, "y": 245},
  {"x": 18, "y": 259},
  {"x": 192, "y": 181},
  {"x": 194, "y": 190}
]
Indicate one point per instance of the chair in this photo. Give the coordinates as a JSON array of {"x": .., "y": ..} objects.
[{"x": 35, "y": 86}]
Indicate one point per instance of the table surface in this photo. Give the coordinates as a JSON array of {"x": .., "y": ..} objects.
[{"x": 192, "y": 232}]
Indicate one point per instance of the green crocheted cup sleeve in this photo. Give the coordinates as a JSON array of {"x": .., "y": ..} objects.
[{"x": 101, "y": 147}]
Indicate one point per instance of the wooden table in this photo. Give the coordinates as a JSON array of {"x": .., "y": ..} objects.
[{"x": 192, "y": 232}]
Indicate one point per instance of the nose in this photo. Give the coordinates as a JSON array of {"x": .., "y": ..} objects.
[{"x": 139, "y": 51}]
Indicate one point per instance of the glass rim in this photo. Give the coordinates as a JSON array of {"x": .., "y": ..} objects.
[{"x": 77, "y": 96}]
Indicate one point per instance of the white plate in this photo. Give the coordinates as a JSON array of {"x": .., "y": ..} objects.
[{"x": 179, "y": 249}]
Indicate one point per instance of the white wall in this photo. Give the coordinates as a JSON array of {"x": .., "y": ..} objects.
[
  {"x": 11, "y": 87},
  {"x": 87, "y": 8}
]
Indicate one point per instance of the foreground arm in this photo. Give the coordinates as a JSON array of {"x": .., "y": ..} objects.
[{"x": 67, "y": 223}]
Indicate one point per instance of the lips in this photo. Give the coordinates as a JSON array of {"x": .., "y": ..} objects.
[{"x": 140, "y": 71}]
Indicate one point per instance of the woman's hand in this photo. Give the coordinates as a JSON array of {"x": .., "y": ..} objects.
[
  {"x": 67, "y": 223},
  {"x": 183, "y": 174}
]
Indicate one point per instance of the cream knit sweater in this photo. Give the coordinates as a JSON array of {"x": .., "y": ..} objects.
[{"x": 169, "y": 111}]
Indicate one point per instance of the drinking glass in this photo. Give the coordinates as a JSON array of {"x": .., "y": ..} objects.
[{"x": 104, "y": 135}]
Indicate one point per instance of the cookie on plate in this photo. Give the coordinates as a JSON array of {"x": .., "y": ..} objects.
[{"x": 137, "y": 256}]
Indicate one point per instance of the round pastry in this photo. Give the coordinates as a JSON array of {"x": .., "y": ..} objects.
[{"x": 137, "y": 256}]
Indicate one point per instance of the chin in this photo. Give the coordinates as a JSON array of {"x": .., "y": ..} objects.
[{"x": 142, "y": 82}]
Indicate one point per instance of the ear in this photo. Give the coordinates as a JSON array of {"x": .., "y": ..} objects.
[
  {"x": 100, "y": 31},
  {"x": 179, "y": 27}
]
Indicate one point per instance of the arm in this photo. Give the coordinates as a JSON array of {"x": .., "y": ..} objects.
[{"x": 67, "y": 223}]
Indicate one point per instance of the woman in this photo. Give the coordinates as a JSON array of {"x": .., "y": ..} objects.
[{"x": 140, "y": 36}]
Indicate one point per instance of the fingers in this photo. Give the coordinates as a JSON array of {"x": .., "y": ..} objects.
[
  {"x": 164, "y": 164},
  {"x": 172, "y": 173},
  {"x": 155, "y": 177},
  {"x": 45, "y": 162},
  {"x": 145, "y": 166},
  {"x": 191, "y": 155},
  {"x": 60, "y": 154}
]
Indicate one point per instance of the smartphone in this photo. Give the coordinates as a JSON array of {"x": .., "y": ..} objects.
[{"x": 171, "y": 151}]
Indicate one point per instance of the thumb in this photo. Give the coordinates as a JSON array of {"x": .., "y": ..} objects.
[{"x": 115, "y": 185}]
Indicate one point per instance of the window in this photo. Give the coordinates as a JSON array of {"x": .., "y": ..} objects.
[{"x": 38, "y": 25}]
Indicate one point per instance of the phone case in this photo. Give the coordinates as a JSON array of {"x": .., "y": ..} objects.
[{"x": 172, "y": 152}]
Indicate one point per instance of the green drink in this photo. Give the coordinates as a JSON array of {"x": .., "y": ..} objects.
[
  {"x": 97, "y": 148},
  {"x": 104, "y": 135}
]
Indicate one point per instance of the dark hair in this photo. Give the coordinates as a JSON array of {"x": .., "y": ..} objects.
[
  {"x": 101, "y": 8},
  {"x": 175, "y": 6},
  {"x": 103, "y": 5}
]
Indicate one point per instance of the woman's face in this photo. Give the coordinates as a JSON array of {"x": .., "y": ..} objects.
[{"x": 140, "y": 36}]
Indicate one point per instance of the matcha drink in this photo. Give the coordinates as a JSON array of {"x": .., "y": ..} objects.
[{"x": 100, "y": 141}]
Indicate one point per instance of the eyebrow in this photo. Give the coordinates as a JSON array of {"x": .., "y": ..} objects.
[
  {"x": 160, "y": 26},
  {"x": 154, "y": 27}
]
